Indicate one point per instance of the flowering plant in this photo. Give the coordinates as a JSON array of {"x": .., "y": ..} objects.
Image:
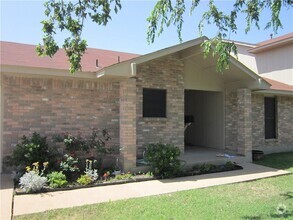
[
  {"x": 33, "y": 180},
  {"x": 89, "y": 171}
]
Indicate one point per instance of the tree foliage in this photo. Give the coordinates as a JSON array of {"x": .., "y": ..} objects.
[
  {"x": 167, "y": 12},
  {"x": 70, "y": 16}
]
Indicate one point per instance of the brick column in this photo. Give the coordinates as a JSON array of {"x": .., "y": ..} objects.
[
  {"x": 128, "y": 123},
  {"x": 244, "y": 134}
]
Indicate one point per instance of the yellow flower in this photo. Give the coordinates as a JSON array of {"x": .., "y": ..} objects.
[
  {"x": 45, "y": 164},
  {"x": 28, "y": 168}
]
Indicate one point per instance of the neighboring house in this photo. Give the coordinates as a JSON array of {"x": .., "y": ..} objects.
[{"x": 144, "y": 99}]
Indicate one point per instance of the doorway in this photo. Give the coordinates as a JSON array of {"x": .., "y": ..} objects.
[{"x": 205, "y": 111}]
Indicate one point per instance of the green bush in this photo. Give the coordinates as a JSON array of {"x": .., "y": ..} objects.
[
  {"x": 230, "y": 165},
  {"x": 96, "y": 141},
  {"x": 57, "y": 179},
  {"x": 203, "y": 168},
  {"x": 125, "y": 176},
  {"x": 29, "y": 150},
  {"x": 84, "y": 180},
  {"x": 163, "y": 159},
  {"x": 71, "y": 143},
  {"x": 69, "y": 166}
]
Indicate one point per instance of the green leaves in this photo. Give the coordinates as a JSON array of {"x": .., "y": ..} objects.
[
  {"x": 163, "y": 159},
  {"x": 220, "y": 49},
  {"x": 69, "y": 16},
  {"x": 166, "y": 13}
]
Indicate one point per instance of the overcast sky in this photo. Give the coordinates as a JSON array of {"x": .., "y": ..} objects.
[{"x": 20, "y": 22}]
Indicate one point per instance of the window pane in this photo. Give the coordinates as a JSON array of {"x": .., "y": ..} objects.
[
  {"x": 154, "y": 103},
  {"x": 270, "y": 118}
]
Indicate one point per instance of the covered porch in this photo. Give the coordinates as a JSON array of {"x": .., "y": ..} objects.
[
  {"x": 219, "y": 103},
  {"x": 198, "y": 155},
  {"x": 193, "y": 155}
]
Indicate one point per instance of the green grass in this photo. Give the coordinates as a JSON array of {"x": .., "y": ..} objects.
[
  {"x": 250, "y": 200},
  {"x": 282, "y": 161}
]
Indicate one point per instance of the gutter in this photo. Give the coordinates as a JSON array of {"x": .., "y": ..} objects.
[{"x": 274, "y": 92}]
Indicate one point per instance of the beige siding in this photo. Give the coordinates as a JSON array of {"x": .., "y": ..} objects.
[
  {"x": 248, "y": 59},
  {"x": 199, "y": 78},
  {"x": 277, "y": 64}
]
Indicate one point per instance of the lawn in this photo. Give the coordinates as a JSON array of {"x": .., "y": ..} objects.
[{"x": 250, "y": 200}]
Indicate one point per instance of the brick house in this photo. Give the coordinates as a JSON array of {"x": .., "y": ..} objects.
[{"x": 144, "y": 99}]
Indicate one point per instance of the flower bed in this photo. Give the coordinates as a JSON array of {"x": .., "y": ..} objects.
[
  {"x": 40, "y": 169},
  {"x": 199, "y": 169},
  {"x": 109, "y": 182}
]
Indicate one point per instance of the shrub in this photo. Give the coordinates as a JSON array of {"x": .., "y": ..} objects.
[
  {"x": 69, "y": 166},
  {"x": 229, "y": 165},
  {"x": 30, "y": 150},
  {"x": 72, "y": 143},
  {"x": 57, "y": 179},
  {"x": 97, "y": 141},
  {"x": 203, "y": 168},
  {"x": 32, "y": 180},
  {"x": 84, "y": 180},
  {"x": 125, "y": 176},
  {"x": 163, "y": 159}
]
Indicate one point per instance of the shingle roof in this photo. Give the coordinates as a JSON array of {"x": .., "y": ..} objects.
[
  {"x": 25, "y": 55},
  {"x": 274, "y": 40},
  {"x": 281, "y": 41},
  {"x": 276, "y": 85}
]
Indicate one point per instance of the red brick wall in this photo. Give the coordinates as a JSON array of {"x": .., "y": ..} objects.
[
  {"x": 164, "y": 73},
  {"x": 284, "y": 140},
  {"x": 55, "y": 105}
]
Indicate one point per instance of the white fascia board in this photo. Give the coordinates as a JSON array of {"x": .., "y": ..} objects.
[
  {"x": 128, "y": 68},
  {"x": 240, "y": 43},
  {"x": 26, "y": 71},
  {"x": 262, "y": 83},
  {"x": 276, "y": 44},
  {"x": 169, "y": 50},
  {"x": 118, "y": 70}
]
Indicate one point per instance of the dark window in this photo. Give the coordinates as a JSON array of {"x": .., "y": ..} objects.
[
  {"x": 154, "y": 103},
  {"x": 270, "y": 118}
]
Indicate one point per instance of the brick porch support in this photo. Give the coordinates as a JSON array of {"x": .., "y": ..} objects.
[
  {"x": 128, "y": 123},
  {"x": 244, "y": 134}
]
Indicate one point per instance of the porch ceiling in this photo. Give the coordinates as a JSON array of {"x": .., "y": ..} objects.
[{"x": 237, "y": 74}]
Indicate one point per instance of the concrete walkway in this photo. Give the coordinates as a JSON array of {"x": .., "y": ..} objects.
[
  {"x": 6, "y": 194},
  {"x": 25, "y": 204}
]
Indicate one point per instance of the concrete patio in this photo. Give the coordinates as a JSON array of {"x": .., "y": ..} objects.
[
  {"x": 33, "y": 203},
  {"x": 197, "y": 155}
]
